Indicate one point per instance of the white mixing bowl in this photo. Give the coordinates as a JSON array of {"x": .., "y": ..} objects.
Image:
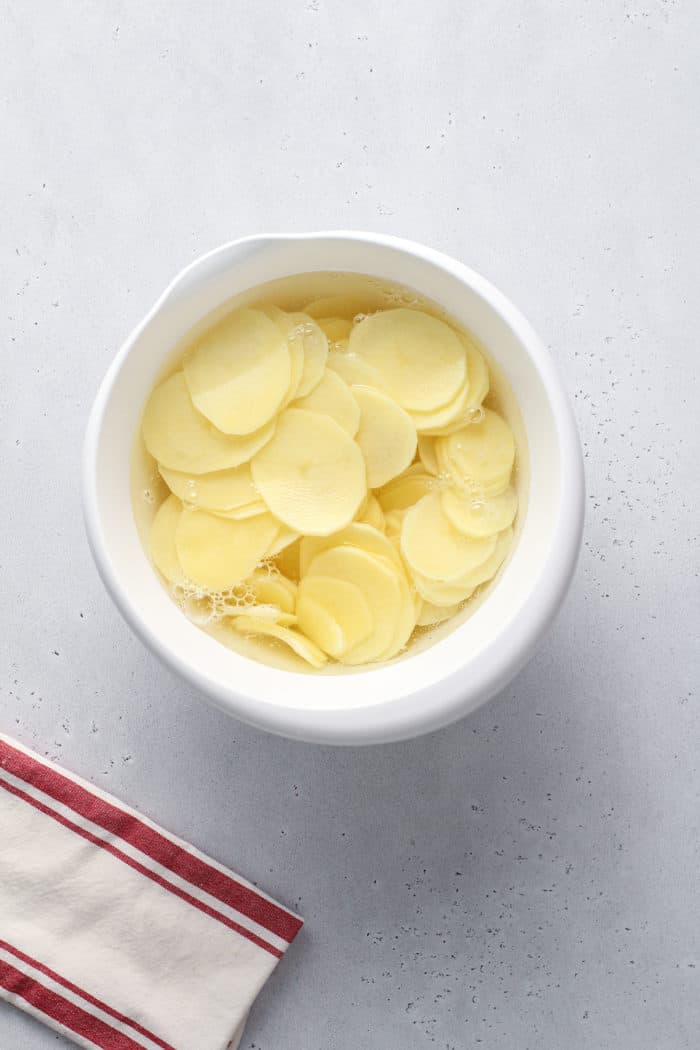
[{"x": 418, "y": 692}]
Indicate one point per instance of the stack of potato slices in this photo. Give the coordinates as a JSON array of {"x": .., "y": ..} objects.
[{"x": 335, "y": 479}]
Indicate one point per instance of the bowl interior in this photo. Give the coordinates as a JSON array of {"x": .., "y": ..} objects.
[{"x": 245, "y": 686}]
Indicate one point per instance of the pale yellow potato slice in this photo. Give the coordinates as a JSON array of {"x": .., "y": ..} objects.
[
  {"x": 221, "y": 490},
  {"x": 462, "y": 589},
  {"x": 216, "y": 553},
  {"x": 406, "y": 620},
  {"x": 333, "y": 613},
  {"x": 422, "y": 362},
  {"x": 343, "y": 305},
  {"x": 273, "y": 589},
  {"x": 162, "y": 540},
  {"x": 337, "y": 329},
  {"x": 181, "y": 438},
  {"x": 426, "y": 452},
  {"x": 296, "y": 641},
  {"x": 442, "y": 595},
  {"x": 304, "y": 331},
  {"x": 239, "y": 372},
  {"x": 386, "y": 436},
  {"x": 372, "y": 513},
  {"x": 284, "y": 538},
  {"x": 429, "y": 422},
  {"x": 405, "y": 490},
  {"x": 353, "y": 369},
  {"x": 480, "y": 456},
  {"x": 478, "y": 372},
  {"x": 332, "y": 397},
  {"x": 434, "y": 548},
  {"x": 312, "y": 474},
  {"x": 250, "y": 510},
  {"x": 296, "y": 351},
  {"x": 488, "y": 568},
  {"x": 359, "y": 534},
  {"x": 480, "y": 517},
  {"x": 270, "y": 613},
  {"x": 378, "y": 581},
  {"x": 287, "y": 560},
  {"x": 393, "y": 522},
  {"x": 431, "y": 615}
]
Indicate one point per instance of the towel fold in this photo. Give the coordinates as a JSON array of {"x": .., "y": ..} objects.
[{"x": 116, "y": 933}]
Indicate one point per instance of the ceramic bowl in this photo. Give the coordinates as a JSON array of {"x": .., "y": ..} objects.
[{"x": 433, "y": 685}]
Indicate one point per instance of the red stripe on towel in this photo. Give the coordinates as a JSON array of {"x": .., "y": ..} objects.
[{"x": 150, "y": 842}]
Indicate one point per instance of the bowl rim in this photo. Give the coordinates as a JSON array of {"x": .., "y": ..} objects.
[{"x": 422, "y": 711}]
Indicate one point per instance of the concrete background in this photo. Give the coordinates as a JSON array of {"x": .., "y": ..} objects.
[{"x": 529, "y": 878}]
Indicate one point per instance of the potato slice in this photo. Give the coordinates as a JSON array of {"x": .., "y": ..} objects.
[
  {"x": 336, "y": 329},
  {"x": 239, "y": 372},
  {"x": 304, "y": 331},
  {"x": 162, "y": 540},
  {"x": 480, "y": 456},
  {"x": 333, "y": 613},
  {"x": 372, "y": 513},
  {"x": 311, "y": 474},
  {"x": 360, "y": 535},
  {"x": 332, "y": 397},
  {"x": 487, "y": 569},
  {"x": 353, "y": 369},
  {"x": 287, "y": 560},
  {"x": 434, "y": 548},
  {"x": 429, "y": 422},
  {"x": 431, "y": 615},
  {"x": 406, "y": 489},
  {"x": 378, "y": 582},
  {"x": 393, "y": 522},
  {"x": 442, "y": 595},
  {"x": 269, "y": 613},
  {"x": 273, "y": 589},
  {"x": 462, "y": 589},
  {"x": 250, "y": 510},
  {"x": 301, "y": 645},
  {"x": 216, "y": 553},
  {"x": 422, "y": 362},
  {"x": 296, "y": 351},
  {"x": 478, "y": 372},
  {"x": 386, "y": 436},
  {"x": 426, "y": 451},
  {"x": 221, "y": 490},
  {"x": 180, "y": 438},
  {"x": 483, "y": 517},
  {"x": 284, "y": 538}
]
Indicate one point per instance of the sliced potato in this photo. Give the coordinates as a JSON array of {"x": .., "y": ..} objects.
[
  {"x": 378, "y": 582},
  {"x": 332, "y": 397},
  {"x": 478, "y": 374},
  {"x": 386, "y": 436},
  {"x": 284, "y": 538},
  {"x": 479, "y": 457},
  {"x": 406, "y": 489},
  {"x": 336, "y": 329},
  {"x": 304, "y": 331},
  {"x": 359, "y": 534},
  {"x": 217, "y": 553},
  {"x": 434, "y": 548},
  {"x": 371, "y": 513},
  {"x": 333, "y": 613},
  {"x": 270, "y": 613},
  {"x": 239, "y": 372},
  {"x": 483, "y": 517},
  {"x": 488, "y": 568},
  {"x": 353, "y": 369},
  {"x": 431, "y": 615},
  {"x": 220, "y": 490},
  {"x": 311, "y": 474},
  {"x": 301, "y": 645},
  {"x": 162, "y": 540},
  {"x": 180, "y": 438},
  {"x": 462, "y": 589},
  {"x": 273, "y": 589},
  {"x": 442, "y": 595},
  {"x": 422, "y": 362},
  {"x": 250, "y": 510},
  {"x": 287, "y": 560},
  {"x": 426, "y": 451},
  {"x": 429, "y": 422},
  {"x": 393, "y": 522},
  {"x": 296, "y": 351}
]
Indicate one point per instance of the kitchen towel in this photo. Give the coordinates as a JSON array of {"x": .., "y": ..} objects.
[{"x": 116, "y": 933}]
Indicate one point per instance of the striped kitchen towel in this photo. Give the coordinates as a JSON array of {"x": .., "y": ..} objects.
[{"x": 116, "y": 933}]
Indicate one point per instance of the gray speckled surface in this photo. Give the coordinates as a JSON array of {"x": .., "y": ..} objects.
[{"x": 527, "y": 879}]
